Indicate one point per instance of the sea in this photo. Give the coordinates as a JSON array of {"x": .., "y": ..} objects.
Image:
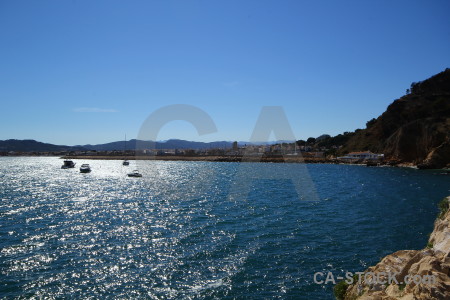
[{"x": 203, "y": 230}]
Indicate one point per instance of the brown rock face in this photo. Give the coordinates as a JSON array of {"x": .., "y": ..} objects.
[
  {"x": 433, "y": 261},
  {"x": 438, "y": 157},
  {"x": 412, "y": 127}
]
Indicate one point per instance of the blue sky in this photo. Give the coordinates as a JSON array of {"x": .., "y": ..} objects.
[{"x": 79, "y": 72}]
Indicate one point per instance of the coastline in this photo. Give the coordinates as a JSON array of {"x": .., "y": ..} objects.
[
  {"x": 433, "y": 260},
  {"x": 241, "y": 158},
  {"x": 245, "y": 158},
  {"x": 237, "y": 158},
  {"x": 213, "y": 158}
]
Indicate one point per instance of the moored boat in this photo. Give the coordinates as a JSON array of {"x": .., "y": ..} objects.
[
  {"x": 135, "y": 173},
  {"x": 85, "y": 168},
  {"x": 68, "y": 164}
]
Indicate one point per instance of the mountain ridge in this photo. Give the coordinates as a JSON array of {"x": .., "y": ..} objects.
[{"x": 30, "y": 145}]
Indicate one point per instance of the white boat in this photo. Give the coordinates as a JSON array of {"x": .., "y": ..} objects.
[
  {"x": 68, "y": 164},
  {"x": 135, "y": 173},
  {"x": 85, "y": 168},
  {"x": 126, "y": 163}
]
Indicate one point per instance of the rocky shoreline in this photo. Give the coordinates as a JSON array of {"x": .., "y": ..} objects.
[{"x": 434, "y": 260}]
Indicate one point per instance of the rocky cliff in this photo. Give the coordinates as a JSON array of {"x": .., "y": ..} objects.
[
  {"x": 434, "y": 260},
  {"x": 414, "y": 129}
]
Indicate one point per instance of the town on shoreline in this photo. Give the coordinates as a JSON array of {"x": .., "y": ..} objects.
[{"x": 275, "y": 153}]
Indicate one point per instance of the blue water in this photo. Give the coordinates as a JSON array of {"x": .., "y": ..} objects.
[{"x": 177, "y": 232}]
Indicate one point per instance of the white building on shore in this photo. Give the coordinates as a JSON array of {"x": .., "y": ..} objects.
[{"x": 365, "y": 155}]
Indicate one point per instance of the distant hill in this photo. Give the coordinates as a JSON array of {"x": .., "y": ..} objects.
[
  {"x": 34, "y": 146},
  {"x": 414, "y": 128},
  {"x": 169, "y": 144}
]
